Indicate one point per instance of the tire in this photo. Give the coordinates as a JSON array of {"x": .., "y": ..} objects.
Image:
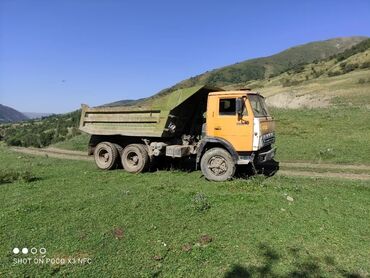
[
  {"x": 217, "y": 165},
  {"x": 119, "y": 150},
  {"x": 135, "y": 158},
  {"x": 105, "y": 155}
]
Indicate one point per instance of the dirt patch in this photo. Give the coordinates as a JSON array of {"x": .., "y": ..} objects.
[
  {"x": 158, "y": 258},
  {"x": 187, "y": 247},
  {"x": 324, "y": 166},
  {"x": 118, "y": 233},
  {"x": 205, "y": 239},
  {"x": 293, "y": 101},
  {"x": 350, "y": 176},
  {"x": 55, "y": 153},
  {"x": 62, "y": 151}
]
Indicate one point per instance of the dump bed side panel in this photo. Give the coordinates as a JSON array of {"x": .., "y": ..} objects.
[
  {"x": 164, "y": 115},
  {"x": 119, "y": 121}
]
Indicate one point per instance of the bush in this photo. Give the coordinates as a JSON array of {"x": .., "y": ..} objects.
[
  {"x": 361, "y": 81},
  {"x": 288, "y": 82},
  {"x": 350, "y": 67},
  {"x": 13, "y": 141},
  {"x": 326, "y": 153},
  {"x": 358, "y": 48},
  {"x": 317, "y": 74},
  {"x": 46, "y": 138},
  {"x": 9, "y": 176},
  {"x": 200, "y": 202},
  {"x": 334, "y": 73},
  {"x": 27, "y": 176},
  {"x": 41, "y": 133},
  {"x": 298, "y": 68},
  {"x": 365, "y": 65}
]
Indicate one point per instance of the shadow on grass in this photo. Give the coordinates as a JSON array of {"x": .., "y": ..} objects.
[
  {"x": 301, "y": 267},
  {"x": 186, "y": 164},
  {"x": 268, "y": 169}
]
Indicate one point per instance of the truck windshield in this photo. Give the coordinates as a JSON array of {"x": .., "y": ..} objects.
[{"x": 258, "y": 105}]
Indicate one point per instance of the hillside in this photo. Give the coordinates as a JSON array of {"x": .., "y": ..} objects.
[
  {"x": 311, "y": 75},
  {"x": 340, "y": 79},
  {"x": 41, "y": 132},
  {"x": 265, "y": 67},
  {"x": 123, "y": 102},
  {"x": 36, "y": 115},
  {"x": 8, "y": 114}
]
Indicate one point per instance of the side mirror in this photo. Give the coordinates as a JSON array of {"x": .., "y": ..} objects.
[{"x": 239, "y": 106}]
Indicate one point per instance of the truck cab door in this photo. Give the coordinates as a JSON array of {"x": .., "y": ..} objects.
[{"x": 224, "y": 122}]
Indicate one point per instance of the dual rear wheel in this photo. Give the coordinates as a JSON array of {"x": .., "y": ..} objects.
[
  {"x": 106, "y": 155},
  {"x": 134, "y": 157}
]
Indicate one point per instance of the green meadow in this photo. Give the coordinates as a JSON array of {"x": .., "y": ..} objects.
[
  {"x": 336, "y": 134},
  {"x": 176, "y": 224}
]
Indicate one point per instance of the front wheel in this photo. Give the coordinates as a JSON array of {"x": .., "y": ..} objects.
[
  {"x": 135, "y": 158},
  {"x": 217, "y": 165}
]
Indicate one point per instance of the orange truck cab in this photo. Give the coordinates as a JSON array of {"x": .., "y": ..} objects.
[{"x": 239, "y": 122}]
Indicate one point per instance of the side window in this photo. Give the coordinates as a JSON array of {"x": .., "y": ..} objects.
[{"x": 227, "y": 106}]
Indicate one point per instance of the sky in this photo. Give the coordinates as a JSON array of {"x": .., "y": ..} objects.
[{"x": 55, "y": 55}]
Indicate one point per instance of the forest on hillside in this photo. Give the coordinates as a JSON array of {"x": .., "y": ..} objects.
[{"x": 41, "y": 132}]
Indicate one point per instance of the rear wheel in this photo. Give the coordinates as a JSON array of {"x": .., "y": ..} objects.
[
  {"x": 217, "y": 165},
  {"x": 135, "y": 158},
  {"x": 105, "y": 155}
]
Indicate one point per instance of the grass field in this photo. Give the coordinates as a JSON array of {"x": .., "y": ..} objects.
[
  {"x": 339, "y": 135},
  {"x": 176, "y": 224},
  {"x": 77, "y": 143}
]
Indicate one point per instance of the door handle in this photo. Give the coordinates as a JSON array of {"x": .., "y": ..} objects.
[{"x": 218, "y": 128}]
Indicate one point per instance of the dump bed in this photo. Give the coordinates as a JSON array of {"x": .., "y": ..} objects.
[{"x": 163, "y": 115}]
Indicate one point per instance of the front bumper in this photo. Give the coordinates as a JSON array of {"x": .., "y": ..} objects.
[{"x": 266, "y": 156}]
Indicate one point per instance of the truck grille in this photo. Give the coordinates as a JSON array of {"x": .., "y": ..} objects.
[{"x": 268, "y": 138}]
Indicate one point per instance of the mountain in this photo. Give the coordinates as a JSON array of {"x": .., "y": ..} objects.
[
  {"x": 259, "y": 69},
  {"x": 341, "y": 79},
  {"x": 36, "y": 115},
  {"x": 8, "y": 114},
  {"x": 123, "y": 102},
  {"x": 265, "y": 67}
]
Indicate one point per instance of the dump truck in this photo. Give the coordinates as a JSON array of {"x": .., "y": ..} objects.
[{"x": 218, "y": 130}]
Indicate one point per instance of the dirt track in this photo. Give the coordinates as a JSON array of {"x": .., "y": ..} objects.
[
  {"x": 54, "y": 152},
  {"x": 324, "y": 165},
  {"x": 331, "y": 170}
]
